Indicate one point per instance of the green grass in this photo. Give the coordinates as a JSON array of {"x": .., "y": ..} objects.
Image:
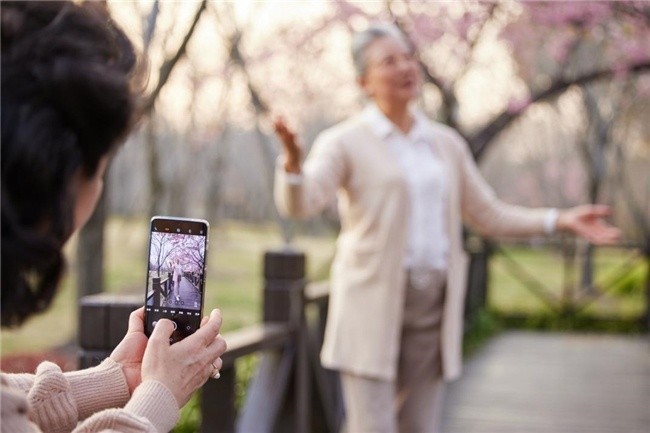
[
  {"x": 234, "y": 284},
  {"x": 234, "y": 278},
  {"x": 623, "y": 300}
]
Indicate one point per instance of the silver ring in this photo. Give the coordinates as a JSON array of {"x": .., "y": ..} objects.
[{"x": 215, "y": 372}]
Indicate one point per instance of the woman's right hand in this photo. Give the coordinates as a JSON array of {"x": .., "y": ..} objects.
[
  {"x": 186, "y": 365},
  {"x": 292, "y": 151}
]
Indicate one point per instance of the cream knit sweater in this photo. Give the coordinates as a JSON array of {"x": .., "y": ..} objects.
[{"x": 91, "y": 400}]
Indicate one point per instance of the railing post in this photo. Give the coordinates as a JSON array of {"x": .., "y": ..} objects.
[
  {"x": 477, "y": 281},
  {"x": 284, "y": 286},
  {"x": 157, "y": 289},
  {"x": 646, "y": 315},
  {"x": 218, "y": 412},
  {"x": 284, "y": 291},
  {"x": 103, "y": 322}
]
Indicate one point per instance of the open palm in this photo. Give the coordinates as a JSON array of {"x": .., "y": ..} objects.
[{"x": 588, "y": 222}]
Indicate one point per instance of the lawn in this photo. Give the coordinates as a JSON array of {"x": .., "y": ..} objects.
[
  {"x": 234, "y": 278},
  {"x": 234, "y": 284},
  {"x": 617, "y": 296}
]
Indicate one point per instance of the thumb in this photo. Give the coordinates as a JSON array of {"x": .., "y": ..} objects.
[
  {"x": 136, "y": 321},
  {"x": 601, "y": 210},
  {"x": 163, "y": 330}
]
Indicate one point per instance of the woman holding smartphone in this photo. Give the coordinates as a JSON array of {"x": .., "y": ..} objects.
[
  {"x": 405, "y": 185},
  {"x": 68, "y": 100}
]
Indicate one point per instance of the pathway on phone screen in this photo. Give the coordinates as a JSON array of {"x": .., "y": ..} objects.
[{"x": 187, "y": 297}]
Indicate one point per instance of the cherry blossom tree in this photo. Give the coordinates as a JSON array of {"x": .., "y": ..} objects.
[
  {"x": 546, "y": 41},
  {"x": 91, "y": 240},
  {"x": 551, "y": 47}
]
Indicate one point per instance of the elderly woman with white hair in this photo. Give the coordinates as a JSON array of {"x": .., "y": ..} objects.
[{"x": 405, "y": 186}]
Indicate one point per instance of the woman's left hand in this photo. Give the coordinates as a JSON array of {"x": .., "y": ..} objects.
[
  {"x": 131, "y": 349},
  {"x": 588, "y": 221}
]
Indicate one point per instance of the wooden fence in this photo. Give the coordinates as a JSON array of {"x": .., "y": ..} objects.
[{"x": 290, "y": 391}]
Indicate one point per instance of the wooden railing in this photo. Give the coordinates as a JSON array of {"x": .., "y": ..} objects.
[
  {"x": 581, "y": 286},
  {"x": 290, "y": 391}
]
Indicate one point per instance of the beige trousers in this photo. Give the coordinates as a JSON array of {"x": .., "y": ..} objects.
[{"x": 412, "y": 403}]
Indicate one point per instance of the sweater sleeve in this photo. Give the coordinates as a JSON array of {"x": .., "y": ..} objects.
[
  {"x": 52, "y": 401},
  {"x": 323, "y": 173},
  {"x": 57, "y": 400},
  {"x": 484, "y": 211},
  {"x": 152, "y": 409}
]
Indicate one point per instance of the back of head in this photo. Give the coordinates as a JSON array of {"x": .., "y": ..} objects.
[{"x": 67, "y": 101}]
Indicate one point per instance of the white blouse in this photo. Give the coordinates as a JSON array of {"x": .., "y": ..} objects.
[{"x": 426, "y": 175}]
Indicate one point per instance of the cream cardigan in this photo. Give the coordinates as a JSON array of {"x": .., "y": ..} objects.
[
  {"x": 367, "y": 277},
  {"x": 52, "y": 401}
]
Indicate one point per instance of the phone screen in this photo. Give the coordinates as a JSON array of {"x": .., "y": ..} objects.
[{"x": 176, "y": 274}]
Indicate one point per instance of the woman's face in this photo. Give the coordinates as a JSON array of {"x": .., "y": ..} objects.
[
  {"x": 89, "y": 189},
  {"x": 392, "y": 73}
]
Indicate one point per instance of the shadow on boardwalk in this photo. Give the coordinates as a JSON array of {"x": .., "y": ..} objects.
[{"x": 553, "y": 383}]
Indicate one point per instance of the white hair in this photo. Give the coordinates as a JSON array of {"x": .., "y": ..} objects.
[{"x": 362, "y": 40}]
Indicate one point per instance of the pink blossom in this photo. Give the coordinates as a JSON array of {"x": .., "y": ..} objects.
[
  {"x": 621, "y": 71},
  {"x": 560, "y": 47},
  {"x": 464, "y": 24},
  {"x": 585, "y": 14},
  {"x": 518, "y": 105},
  {"x": 643, "y": 86},
  {"x": 347, "y": 10},
  {"x": 426, "y": 29}
]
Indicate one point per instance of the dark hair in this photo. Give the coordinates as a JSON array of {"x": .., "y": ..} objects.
[{"x": 68, "y": 99}]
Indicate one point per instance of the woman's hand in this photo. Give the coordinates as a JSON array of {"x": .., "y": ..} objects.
[
  {"x": 131, "y": 349},
  {"x": 292, "y": 151},
  {"x": 185, "y": 366},
  {"x": 588, "y": 221}
]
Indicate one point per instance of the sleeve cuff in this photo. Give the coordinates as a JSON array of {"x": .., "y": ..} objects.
[
  {"x": 293, "y": 178},
  {"x": 550, "y": 221},
  {"x": 154, "y": 401},
  {"x": 290, "y": 178},
  {"x": 98, "y": 388}
]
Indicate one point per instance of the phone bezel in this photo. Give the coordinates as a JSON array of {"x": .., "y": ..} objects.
[{"x": 172, "y": 224}]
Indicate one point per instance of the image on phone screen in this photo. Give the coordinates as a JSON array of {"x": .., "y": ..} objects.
[{"x": 176, "y": 274}]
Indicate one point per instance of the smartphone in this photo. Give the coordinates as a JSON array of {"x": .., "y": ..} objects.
[{"x": 176, "y": 268}]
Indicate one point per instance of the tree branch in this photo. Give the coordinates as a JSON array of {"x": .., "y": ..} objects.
[
  {"x": 168, "y": 65},
  {"x": 480, "y": 141},
  {"x": 632, "y": 10}
]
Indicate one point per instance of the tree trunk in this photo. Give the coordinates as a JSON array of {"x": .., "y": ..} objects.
[
  {"x": 90, "y": 252},
  {"x": 645, "y": 320},
  {"x": 155, "y": 178},
  {"x": 261, "y": 109},
  {"x": 90, "y": 258}
]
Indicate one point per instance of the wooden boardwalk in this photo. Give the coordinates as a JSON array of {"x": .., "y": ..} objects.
[{"x": 528, "y": 382}]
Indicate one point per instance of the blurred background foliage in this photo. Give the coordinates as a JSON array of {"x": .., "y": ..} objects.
[{"x": 552, "y": 97}]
